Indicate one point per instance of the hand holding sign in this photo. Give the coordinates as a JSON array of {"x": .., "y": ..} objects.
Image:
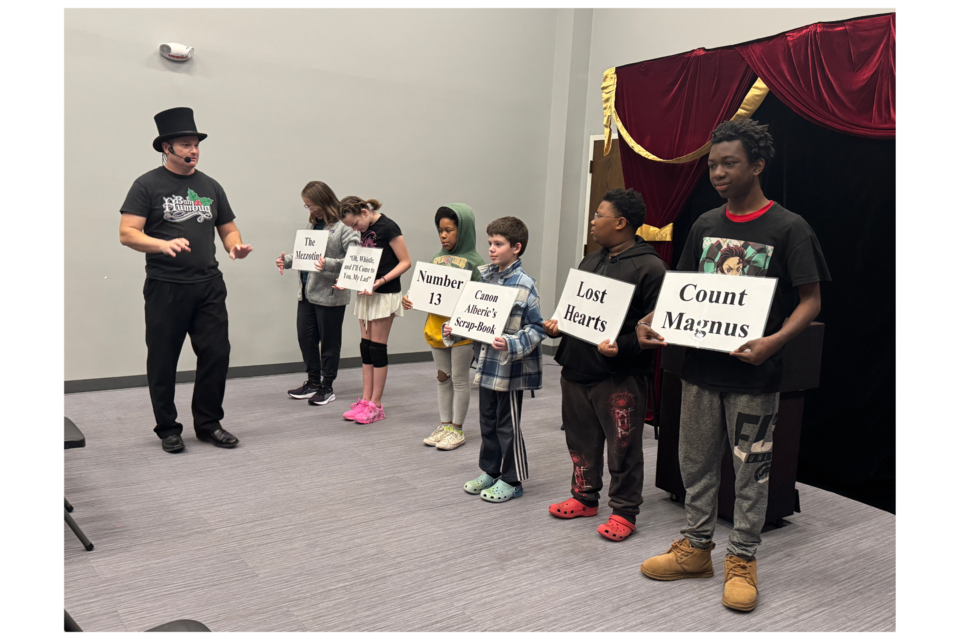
[
  {"x": 359, "y": 270},
  {"x": 436, "y": 288},
  {"x": 716, "y": 312},
  {"x": 482, "y": 311},
  {"x": 309, "y": 247},
  {"x": 593, "y": 307}
]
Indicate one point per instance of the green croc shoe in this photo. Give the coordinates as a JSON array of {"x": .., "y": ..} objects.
[
  {"x": 478, "y": 485},
  {"x": 501, "y": 492}
]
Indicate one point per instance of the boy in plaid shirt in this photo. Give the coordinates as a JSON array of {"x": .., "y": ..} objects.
[{"x": 507, "y": 368}]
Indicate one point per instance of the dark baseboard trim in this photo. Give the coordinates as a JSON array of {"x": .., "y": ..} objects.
[
  {"x": 251, "y": 371},
  {"x": 549, "y": 350}
]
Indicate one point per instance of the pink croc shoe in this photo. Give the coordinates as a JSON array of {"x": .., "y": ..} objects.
[
  {"x": 356, "y": 408},
  {"x": 373, "y": 413},
  {"x": 572, "y": 508},
  {"x": 616, "y": 529}
]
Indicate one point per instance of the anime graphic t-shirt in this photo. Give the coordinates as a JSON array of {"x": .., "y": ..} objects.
[
  {"x": 177, "y": 206},
  {"x": 379, "y": 234},
  {"x": 777, "y": 244}
]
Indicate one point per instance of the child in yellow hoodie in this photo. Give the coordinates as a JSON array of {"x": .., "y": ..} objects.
[{"x": 458, "y": 238}]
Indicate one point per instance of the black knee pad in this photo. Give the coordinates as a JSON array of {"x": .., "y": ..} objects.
[
  {"x": 378, "y": 351},
  {"x": 365, "y": 356}
]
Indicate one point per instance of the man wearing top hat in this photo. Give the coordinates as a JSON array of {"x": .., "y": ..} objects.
[{"x": 170, "y": 214}]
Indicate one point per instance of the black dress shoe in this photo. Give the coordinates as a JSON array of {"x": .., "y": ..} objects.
[
  {"x": 219, "y": 438},
  {"x": 172, "y": 444}
]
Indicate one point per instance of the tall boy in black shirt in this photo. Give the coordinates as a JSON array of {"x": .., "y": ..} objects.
[
  {"x": 750, "y": 236},
  {"x": 604, "y": 389}
]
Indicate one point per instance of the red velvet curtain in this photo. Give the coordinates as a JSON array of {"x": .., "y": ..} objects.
[
  {"x": 670, "y": 106},
  {"x": 841, "y": 76}
]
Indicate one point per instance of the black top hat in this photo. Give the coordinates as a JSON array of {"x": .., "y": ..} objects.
[{"x": 175, "y": 123}]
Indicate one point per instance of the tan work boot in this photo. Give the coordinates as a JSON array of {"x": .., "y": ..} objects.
[
  {"x": 740, "y": 583},
  {"x": 681, "y": 561}
]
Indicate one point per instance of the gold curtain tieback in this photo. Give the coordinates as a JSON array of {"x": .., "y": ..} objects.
[
  {"x": 608, "y": 90},
  {"x": 656, "y": 234}
]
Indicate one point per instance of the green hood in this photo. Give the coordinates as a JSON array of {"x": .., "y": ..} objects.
[{"x": 466, "y": 247}]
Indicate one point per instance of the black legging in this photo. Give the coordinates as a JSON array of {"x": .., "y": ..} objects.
[{"x": 319, "y": 330}]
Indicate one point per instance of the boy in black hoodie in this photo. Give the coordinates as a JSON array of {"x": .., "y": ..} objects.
[{"x": 605, "y": 388}]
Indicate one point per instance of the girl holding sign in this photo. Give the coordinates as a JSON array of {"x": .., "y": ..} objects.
[
  {"x": 458, "y": 239},
  {"x": 377, "y": 308},
  {"x": 321, "y": 307}
]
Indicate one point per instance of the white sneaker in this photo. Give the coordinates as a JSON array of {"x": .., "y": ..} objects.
[
  {"x": 451, "y": 440},
  {"x": 435, "y": 437}
]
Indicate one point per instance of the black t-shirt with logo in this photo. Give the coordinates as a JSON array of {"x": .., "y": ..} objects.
[
  {"x": 778, "y": 244},
  {"x": 177, "y": 206},
  {"x": 379, "y": 234}
]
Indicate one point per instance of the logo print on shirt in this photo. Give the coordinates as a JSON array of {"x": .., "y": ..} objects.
[
  {"x": 735, "y": 257},
  {"x": 178, "y": 208},
  {"x": 369, "y": 239}
]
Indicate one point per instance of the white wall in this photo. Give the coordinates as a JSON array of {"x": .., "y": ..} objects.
[{"x": 414, "y": 107}]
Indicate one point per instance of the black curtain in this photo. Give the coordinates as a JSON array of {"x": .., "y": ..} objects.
[{"x": 844, "y": 186}]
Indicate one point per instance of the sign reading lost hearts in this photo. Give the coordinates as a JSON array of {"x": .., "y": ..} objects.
[
  {"x": 359, "y": 268},
  {"x": 482, "y": 311},
  {"x": 308, "y": 248},
  {"x": 593, "y": 307},
  {"x": 712, "y": 311},
  {"x": 436, "y": 288}
]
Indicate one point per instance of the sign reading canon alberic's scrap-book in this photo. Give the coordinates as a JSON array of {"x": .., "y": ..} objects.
[
  {"x": 359, "y": 268},
  {"x": 308, "y": 248},
  {"x": 482, "y": 311},
  {"x": 436, "y": 288},
  {"x": 593, "y": 307},
  {"x": 712, "y": 311}
]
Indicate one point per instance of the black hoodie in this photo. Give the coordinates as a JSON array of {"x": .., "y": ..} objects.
[{"x": 582, "y": 362}]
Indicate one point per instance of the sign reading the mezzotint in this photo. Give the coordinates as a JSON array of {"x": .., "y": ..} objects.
[
  {"x": 436, "y": 288},
  {"x": 593, "y": 307},
  {"x": 712, "y": 311},
  {"x": 482, "y": 311},
  {"x": 359, "y": 268},
  {"x": 308, "y": 248}
]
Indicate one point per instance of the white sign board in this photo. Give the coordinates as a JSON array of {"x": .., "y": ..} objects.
[
  {"x": 359, "y": 268},
  {"x": 712, "y": 311},
  {"x": 308, "y": 248},
  {"x": 482, "y": 311},
  {"x": 436, "y": 288},
  {"x": 593, "y": 307}
]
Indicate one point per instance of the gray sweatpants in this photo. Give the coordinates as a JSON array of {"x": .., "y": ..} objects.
[
  {"x": 750, "y": 421},
  {"x": 453, "y": 391}
]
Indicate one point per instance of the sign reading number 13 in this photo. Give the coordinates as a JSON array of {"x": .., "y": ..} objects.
[{"x": 436, "y": 288}]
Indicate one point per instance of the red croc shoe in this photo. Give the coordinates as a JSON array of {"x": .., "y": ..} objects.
[
  {"x": 572, "y": 508},
  {"x": 616, "y": 529}
]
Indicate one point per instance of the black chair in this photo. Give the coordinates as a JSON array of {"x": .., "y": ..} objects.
[
  {"x": 69, "y": 624},
  {"x": 73, "y": 439}
]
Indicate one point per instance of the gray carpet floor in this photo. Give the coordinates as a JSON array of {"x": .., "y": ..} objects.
[{"x": 316, "y": 524}]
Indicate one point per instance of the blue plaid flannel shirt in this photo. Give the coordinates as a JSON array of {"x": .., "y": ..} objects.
[{"x": 520, "y": 367}]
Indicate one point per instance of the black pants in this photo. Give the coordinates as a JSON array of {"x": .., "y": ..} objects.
[
  {"x": 173, "y": 310},
  {"x": 501, "y": 447},
  {"x": 610, "y": 411},
  {"x": 319, "y": 330}
]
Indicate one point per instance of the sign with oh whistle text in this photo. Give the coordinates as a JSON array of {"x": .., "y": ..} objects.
[
  {"x": 593, "y": 307},
  {"x": 308, "y": 248},
  {"x": 436, "y": 288},
  {"x": 359, "y": 268},
  {"x": 482, "y": 311},
  {"x": 712, "y": 311}
]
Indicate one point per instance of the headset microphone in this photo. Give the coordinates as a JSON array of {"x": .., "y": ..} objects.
[{"x": 188, "y": 160}]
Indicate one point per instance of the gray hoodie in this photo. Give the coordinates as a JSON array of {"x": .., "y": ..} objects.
[{"x": 319, "y": 287}]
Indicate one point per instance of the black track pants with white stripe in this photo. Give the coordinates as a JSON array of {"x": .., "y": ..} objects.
[{"x": 502, "y": 451}]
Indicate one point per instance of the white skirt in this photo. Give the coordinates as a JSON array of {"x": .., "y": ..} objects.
[{"x": 378, "y": 306}]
